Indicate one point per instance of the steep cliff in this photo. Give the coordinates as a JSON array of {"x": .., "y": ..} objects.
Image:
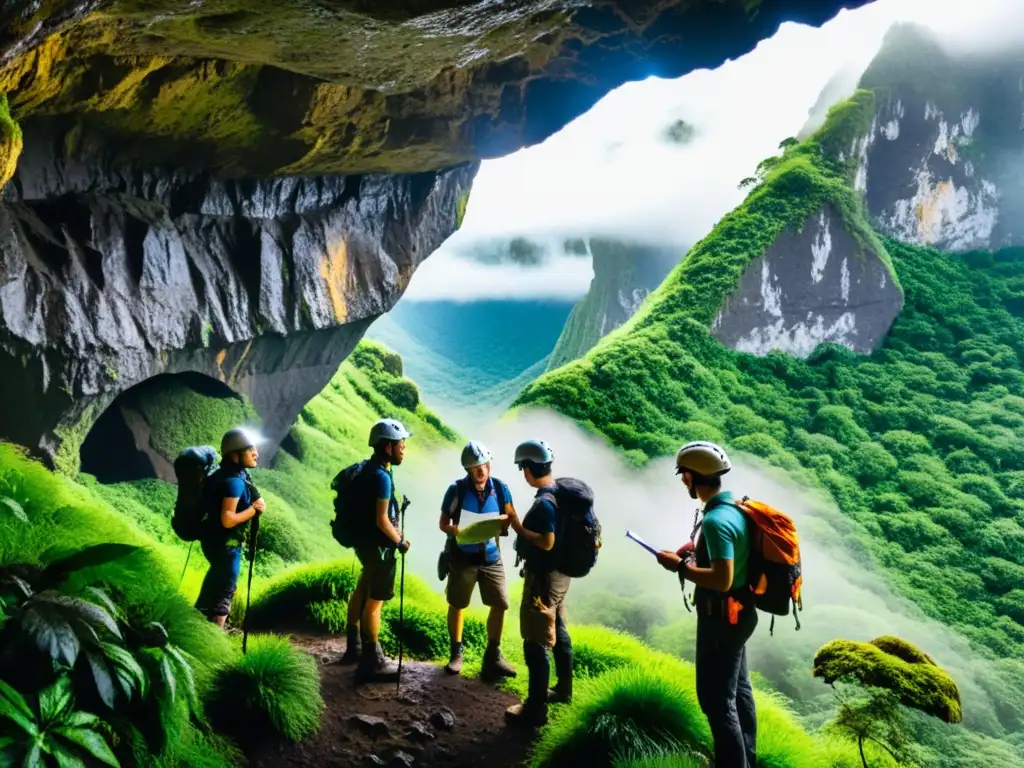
[
  {"x": 624, "y": 273},
  {"x": 814, "y": 284},
  {"x": 112, "y": 275},
  {"x": 940, "y": 164}
]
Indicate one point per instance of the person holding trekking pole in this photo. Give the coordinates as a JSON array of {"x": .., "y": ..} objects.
[
  {"x": 376, "y": 551},
  {"x": 233, "y": 502},
  {"x": 724, "y": 604}
]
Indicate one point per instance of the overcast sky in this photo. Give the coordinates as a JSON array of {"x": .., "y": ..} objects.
[{"x": 610, "y": 172}]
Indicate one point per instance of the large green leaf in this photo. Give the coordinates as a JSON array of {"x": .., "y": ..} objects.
[
  {"x": 44, "y": 622},
  {"x": 79, "y": 608},
  {"x": 97, "y": 554},
  {"x": 130, "y": 674},
  {"x": 14, "y": 707},
  {"x": 55, "y": 701},
  {"x": 183, "y": 670},
  {"x": 101, "y": 676},
  {"x": 167, "y": 673},
  {"x": 101, "y": 598},
  {"x": 34, "y": 758},
  {"x": 13, "y": 507},
  {"x": 91, "y": 742},
  {"x": 67, "y": 760}
]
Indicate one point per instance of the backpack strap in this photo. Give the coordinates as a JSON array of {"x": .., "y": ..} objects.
[{"x": 455, "y": 513}]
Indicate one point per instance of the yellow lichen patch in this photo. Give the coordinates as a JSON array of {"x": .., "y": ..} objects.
[
  {"x": 238, "y": 364},
  {"x": 220, "y": 364},
  {"x": 334, "y": 271},
  {"x": 929, "y": 211}
]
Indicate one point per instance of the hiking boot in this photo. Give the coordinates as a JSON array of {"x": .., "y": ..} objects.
[
  {"x": 375, "y": 667},
  {"x": 561, "y": 693},
  {"x": 495, "y": 667},
  {"x": 531, "y": 717},
  {"x": 353, "y": 651},
  {"x": 454, "y": 665}
]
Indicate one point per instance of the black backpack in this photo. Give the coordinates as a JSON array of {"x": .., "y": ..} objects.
[
  {"x": 349, "y": 524},
  {"x": 577, "y": 529},
  {"x": 192, "y": 467}
]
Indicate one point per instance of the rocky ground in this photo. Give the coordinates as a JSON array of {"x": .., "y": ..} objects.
[{"x": 435, "y": 719}]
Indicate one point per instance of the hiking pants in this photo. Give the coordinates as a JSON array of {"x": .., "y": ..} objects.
[
  {"x": 221, "y": 579},
  {"x": 723, "y": 687},
  {"x": 551, "y": 589}
]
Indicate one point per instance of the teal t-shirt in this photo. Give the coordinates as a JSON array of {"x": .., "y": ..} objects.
[{"x": 727, "y": 534}]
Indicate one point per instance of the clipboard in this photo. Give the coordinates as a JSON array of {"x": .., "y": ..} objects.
[{"x": 641, "y": 542}]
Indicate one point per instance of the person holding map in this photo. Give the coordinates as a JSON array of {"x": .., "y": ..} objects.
[{"x": 474, "y": 513}]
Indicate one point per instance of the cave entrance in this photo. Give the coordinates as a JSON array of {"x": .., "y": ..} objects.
[{"x": 142, "y": 431}]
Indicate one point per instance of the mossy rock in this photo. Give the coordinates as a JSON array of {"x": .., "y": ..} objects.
[
  {"x": 10, "y": 143},
  {"x": 895, "y": 665}
]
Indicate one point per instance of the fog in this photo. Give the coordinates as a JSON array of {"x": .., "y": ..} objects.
[
  {"x": 611, "y": 172},
  {"x": 842, "y": 597}
]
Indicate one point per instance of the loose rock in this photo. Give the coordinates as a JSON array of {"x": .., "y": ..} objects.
[
  {"x": 444, "y": 719},
  {"x": 373, "y": 726},
  {"x": 420, "y": 732}
]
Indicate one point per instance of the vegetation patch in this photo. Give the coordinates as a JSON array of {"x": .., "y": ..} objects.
[
  {"x": 273, "y": 689},
  {"x": 888, "y": 435},
  {"x": 10, "y": 142}
]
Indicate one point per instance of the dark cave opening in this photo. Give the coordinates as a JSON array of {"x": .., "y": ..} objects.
[{"x": 141, "y": 432}]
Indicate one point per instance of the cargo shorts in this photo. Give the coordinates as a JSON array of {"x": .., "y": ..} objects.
[
  {"x": 379, "y": 568},
  {"x": 463, "y": 577},
  {"x": 543, "y": 604}
]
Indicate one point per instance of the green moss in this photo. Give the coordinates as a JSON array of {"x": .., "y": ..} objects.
[
  {"x": 460, "y": 209},
  {"x": 272, "y": 690},
  {"x": 10, "y": 142},
  {"x": 894, "y": 665}
]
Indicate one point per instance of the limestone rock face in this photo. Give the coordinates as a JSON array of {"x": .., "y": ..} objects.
[
  {"x": 624, "y": 274},
  {"x": 811, "y": 286},
  {"x": 940, "y": 165},
  {"x": 111, "y": 276}
]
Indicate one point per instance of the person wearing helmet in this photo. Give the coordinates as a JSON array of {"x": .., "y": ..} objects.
[
  {"x": 377, "y": 554},
  {"x": 726, "y": 616},
  {"x": 233, "y": 501},
  {"x": 542, "y": 614},
  {"x": 476, "y": 494}
]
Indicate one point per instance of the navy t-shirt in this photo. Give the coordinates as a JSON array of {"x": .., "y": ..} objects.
[
  {"x": 540, "y": 519},
  {"x": 230, "y": 483},
  {"x": 382, "y": 485}
]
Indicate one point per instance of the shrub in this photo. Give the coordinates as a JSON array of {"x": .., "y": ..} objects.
[
  {"x": 622, "y": 715},
  {"x": 285, "y": 600},
  {"x": 273, "y": 689}
]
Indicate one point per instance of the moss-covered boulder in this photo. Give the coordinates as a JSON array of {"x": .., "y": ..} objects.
[{"x": 895, "y": 665}]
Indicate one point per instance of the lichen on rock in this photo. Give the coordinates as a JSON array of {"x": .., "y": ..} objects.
[{"x": 10, "y": 143}]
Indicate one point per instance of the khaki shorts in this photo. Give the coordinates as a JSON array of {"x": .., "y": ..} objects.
[
  {"x": 463, "y": 578},
  {"x": 543, "y": 601},
  {"x": 378, "y": 574}
]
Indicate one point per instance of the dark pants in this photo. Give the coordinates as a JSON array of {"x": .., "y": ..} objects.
[
  {"x": 221, "y": 579},
  {"x": 723, "y": 687},
  {"x": 539, "y": 667}
]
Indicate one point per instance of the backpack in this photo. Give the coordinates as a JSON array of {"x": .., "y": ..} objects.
[
  {"x": 192, "y": 467},
  {"x": 349, "y": 524},
  {"x": 577, "y": 529},
  {"x": 774, "y": 567}
]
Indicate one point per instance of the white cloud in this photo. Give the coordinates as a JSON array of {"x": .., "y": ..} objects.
[{"x": 610, "y": 172}]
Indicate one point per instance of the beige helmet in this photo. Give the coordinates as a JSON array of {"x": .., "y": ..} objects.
[{"x": 702, "y": 458}]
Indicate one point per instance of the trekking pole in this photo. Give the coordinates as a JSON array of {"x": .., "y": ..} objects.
[
  {"x": 401, "y": 599},
  {"x": 254, "y": 532},
  {"x": 185, "y": 567}
]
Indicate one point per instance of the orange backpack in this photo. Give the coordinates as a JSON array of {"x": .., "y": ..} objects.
[{"x": 774, "y": 570}]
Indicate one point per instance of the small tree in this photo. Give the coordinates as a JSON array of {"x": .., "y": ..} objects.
[{"x": 892, "y": 672}]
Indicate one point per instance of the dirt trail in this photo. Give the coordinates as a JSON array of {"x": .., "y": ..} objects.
[{"x": 411, "y": 723}]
